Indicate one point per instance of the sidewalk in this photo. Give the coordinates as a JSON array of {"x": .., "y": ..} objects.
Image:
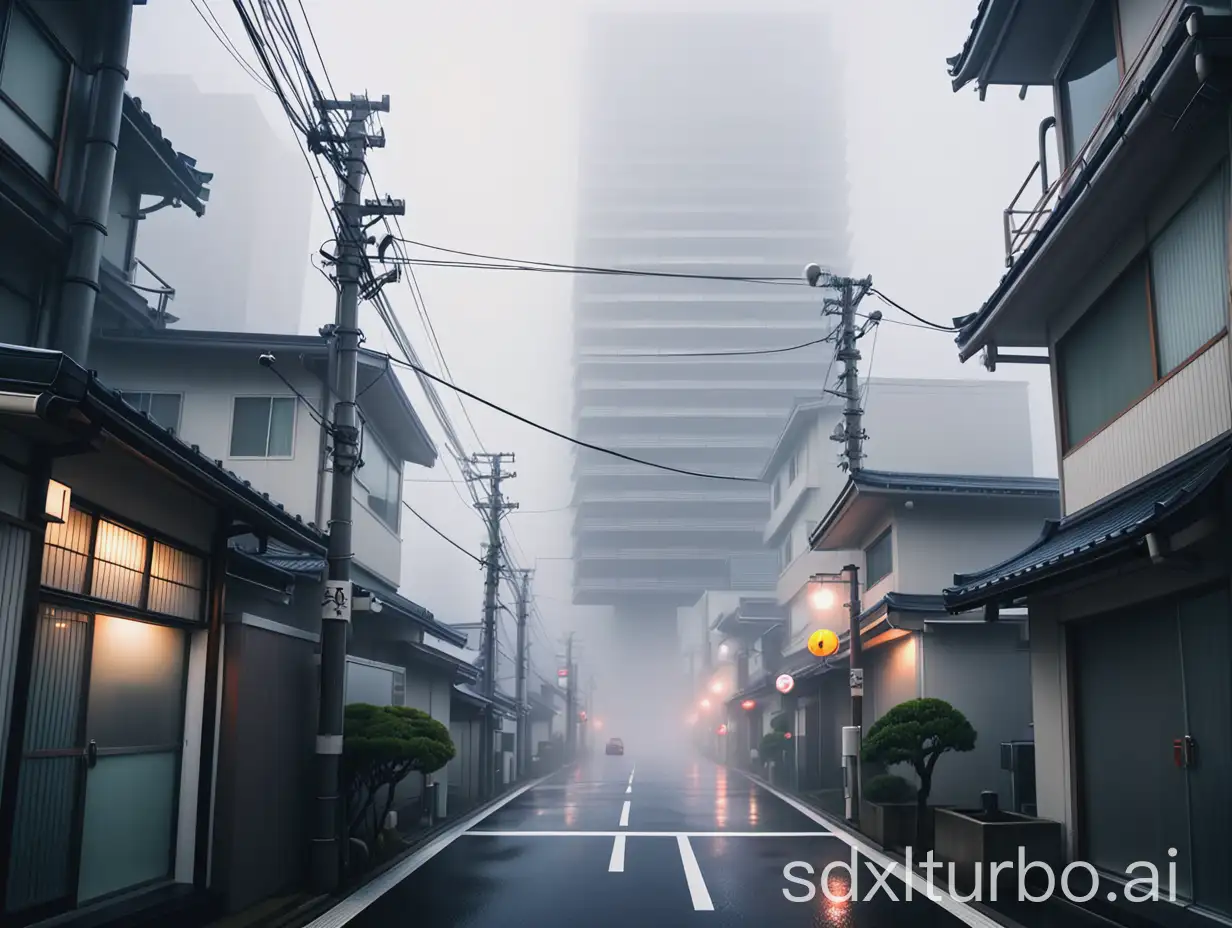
[{"x": 1056, "y": 912}]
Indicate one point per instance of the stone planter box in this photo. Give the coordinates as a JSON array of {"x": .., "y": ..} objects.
[
  {"x": 892, "y": 824},
  {"x": 968, "y": 838}
]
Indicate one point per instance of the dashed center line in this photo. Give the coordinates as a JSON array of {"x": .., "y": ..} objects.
[
  {"x": 617, "y": 863},
  {"x": 693, "y": 876},
  {"x": 624, "y": 814},
  {"x": 629, "y": 788}
]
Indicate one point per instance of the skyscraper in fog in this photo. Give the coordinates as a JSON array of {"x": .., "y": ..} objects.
[
  {"x": 242, "y": 267},
  {"x": 712, "y": 144}
]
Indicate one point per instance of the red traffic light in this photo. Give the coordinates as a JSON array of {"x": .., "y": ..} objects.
[
  {"x": 562, "y": 672},
  {"x": 582, "y": 716},
  {"x": 748, "y": 704},
  {"x": 722, "y": 729},
  {"x": 787, "y": 735}
]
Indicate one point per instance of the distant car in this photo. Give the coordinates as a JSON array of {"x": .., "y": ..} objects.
[{"x": 615, "y": 746}]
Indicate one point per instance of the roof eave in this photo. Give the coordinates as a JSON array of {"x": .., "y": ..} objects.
[{"x": 190, "y": 189}]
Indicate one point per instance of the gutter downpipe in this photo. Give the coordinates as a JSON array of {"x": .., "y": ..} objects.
[
  {"x": 970, "y": 345},
  {"x": 89, "y": 226}
]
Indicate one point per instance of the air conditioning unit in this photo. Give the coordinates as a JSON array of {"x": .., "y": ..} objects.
[{"x": 1018, "y": 758}]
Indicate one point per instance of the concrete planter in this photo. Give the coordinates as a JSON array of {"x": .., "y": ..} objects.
[
  {"x": 893, "y": 825},
  {"x": 973, "y": 840}
]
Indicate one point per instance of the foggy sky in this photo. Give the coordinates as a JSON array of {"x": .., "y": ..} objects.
[{"x": 482, "y": 142}]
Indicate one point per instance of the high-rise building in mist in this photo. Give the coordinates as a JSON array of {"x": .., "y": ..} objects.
[
  {"x": 242, "y": 267},
  {"x": 712, "y": 144}
]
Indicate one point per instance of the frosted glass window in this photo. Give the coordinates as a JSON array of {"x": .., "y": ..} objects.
[
  {"x": 34, "y": 77},
  {"x": 177, "y": 582},
  {"x": 66, "y": 552},
  {"x": 119, "y": 564},
  {"x": 879, "y": 559},
  {"x": 1189, "y": 275},
  {"x": 380, "y": 482},
  {"x": 136, "y": 684},
  {"x": 1104, "y": 362},
  {"x": 263, "y": 427},
  {"x": 1090, "y": 79},
  {"x": 129, "y": 822}
]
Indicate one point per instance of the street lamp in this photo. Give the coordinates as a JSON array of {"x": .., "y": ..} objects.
[
  {"x": 821, "y": 598},
  {"x": 851, "y": 574},
  {"x": 705, "y": 703},
  {"x": 723, "y": 650},
  {"x": 716, "y": 687}
]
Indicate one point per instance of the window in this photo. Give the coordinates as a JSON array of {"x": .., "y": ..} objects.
[
  {"x": 92, "y": 556},
  {"x": 163, "y": 408},
  {"x": 379, "y": 482},
  {"x": 879, "y": 559},
  {"x": 776, "y": 493},
  {"x": 788, "y": 553},
  {"x": 263, "y": 427},
  {"x": 1090, "y": 79},
  {"x": 792, "y": 470},
  {"x": 34, "y": 79},
  {"x": 1169, "y": 304}
]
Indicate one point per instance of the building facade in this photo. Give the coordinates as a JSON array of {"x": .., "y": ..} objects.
[
  {"x": 261, "y": 212},
  {"x": 1120, "y": 274},
  {"x": 731, "y": 165}
]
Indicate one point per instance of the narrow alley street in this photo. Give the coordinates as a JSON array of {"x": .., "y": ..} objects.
[{"x": 619, "y": 841}]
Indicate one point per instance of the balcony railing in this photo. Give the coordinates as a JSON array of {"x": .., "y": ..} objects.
[
  {"x": 1021, "y": 225},
  {"x": 144, "y": 279}
]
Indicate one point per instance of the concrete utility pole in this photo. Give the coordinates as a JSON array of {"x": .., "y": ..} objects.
[
  {"x": 855, "y": 653},
  {"x": 493, "y": 510},
  {"x": 523, "y": 734},
  {"x": 328, "y": 839},
  {"x": 570, "y": 700},
  {"x": 852, "y": 436}
]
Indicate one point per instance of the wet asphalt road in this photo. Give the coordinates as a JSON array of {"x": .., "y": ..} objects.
[{"x": 616, "y": 842}]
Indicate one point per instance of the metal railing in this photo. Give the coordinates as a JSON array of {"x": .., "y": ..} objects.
[
  {"x": 1021, "y": 225},
  {"x": 163, "y": 292}
]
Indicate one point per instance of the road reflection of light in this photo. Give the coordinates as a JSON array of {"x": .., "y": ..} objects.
[
  {"x": 571, "y": 811},
  {"x": 720, "y": 798},
  {"x": 835, "y": 902},
  {"x": 754, "y": 816}
]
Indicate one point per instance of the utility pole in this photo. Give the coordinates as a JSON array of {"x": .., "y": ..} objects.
[
  {"x": 494, "y": 509},
  {"x": 523, "y": 735},
  {"x": 852, "y": 435},
  {"x": 855, "y": 653},
  {"x": 328, "y": 839},
  {"x": 570, "y": 700}
]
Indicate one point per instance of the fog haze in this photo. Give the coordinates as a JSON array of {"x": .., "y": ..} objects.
[{"x": 482, "y": 145}]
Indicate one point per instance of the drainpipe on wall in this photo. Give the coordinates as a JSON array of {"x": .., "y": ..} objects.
[{"x": 89, "y": 226}]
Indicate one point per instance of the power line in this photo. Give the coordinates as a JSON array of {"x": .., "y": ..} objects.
[
  {"x": 600, "y": 271},
  {"x": 902, "y": 309},
  {"x": 225, "y": 40},
  {"x": 478, "y": 560},
  {"x": 569, "y": 438}
]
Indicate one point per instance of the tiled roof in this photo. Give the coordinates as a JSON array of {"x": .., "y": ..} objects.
[
  {"x": 196, "y": 193},
  {"x": 1115, "y": 524},
  {"x": 284, "y": 557},
  {"x": 956, "y": 62},
  {"x": 956, "y": 483}
]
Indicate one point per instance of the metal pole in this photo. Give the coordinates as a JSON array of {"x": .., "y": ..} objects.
[
  {"x": 489, "y": 628},
  {"x": 855, "y": 651},
  {"x": 570, "y": 700},
  {"x": 89, "y": 223},
  {"x": 522, "y": 736},
  {"x": 336, "y": 603},
  {"x": 850, "y": 356}
]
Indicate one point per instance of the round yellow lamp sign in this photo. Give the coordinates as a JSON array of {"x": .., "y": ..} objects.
[{"x": 822, "y": 643}]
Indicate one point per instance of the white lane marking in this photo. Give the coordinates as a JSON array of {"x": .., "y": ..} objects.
[
  {"x": 477, "y": 833},
  {"x": 624, "y": 814},
  {"x": 617, "y": 863},
  {"x": 693, "y": 875},
  {"x": 960, "y": 910},
  {"x": 631, "y": 772},
  {"x": 629, "y": 789},
  {"x": 363, "y": 897}
]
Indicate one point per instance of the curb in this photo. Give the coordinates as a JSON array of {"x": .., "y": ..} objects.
[{"x": 314, "y": 909}]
